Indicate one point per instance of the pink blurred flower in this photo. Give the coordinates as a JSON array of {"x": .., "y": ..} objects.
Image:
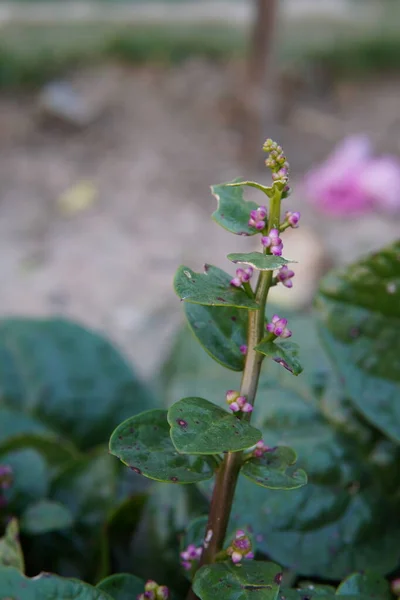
[{"x": 352, "y": 181}]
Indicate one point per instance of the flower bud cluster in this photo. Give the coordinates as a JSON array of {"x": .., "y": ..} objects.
[
  {"x": 273, "y": 242},
  {"x": 292, "y": 218},
  {"x": 242, "y": 276},
  {"x": 257, "y": 218},
  {"x": 285, "y": 276},
  {"x": 153, "y": 591},
  {"x": 190, "y": 556},
  {"x": 260, "y": 449},
  {"x": 276, "y": 161},
  {"x": 240, "y": 548},
  {"x": 278, "y": 327},
  {"x": 238, "y": 403}
]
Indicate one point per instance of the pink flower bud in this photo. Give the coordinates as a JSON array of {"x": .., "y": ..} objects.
[
  {"x": 162, "y": 592},
  {"x": 232, "y": 396},
  {"x": 277, "y": 326},
  {"x": 293, "y": 218},
  {"x": 243, "y": 349},
  {"x": 236, "y": 282},
  {"x": 284, "y": 276},
  {"x": 236, "y": 557}
]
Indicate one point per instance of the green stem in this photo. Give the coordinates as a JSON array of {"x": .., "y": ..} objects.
[{"x": 227, "y": 475}]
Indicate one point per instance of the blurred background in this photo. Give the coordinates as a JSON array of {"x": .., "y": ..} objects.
[{"x": 116, "y": 117}]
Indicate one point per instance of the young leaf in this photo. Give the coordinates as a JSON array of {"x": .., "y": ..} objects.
[
  {"x": 233, "y": 212},
  {"x": 200, "y": 427},
  {"x": 211, "y": 288},
  {"x": 359, "y": 310},
  {"x": 46, "y": 585},
  {"x": 259, "y": 261},
  {"x": 275, "y": 470},
  {"x": 144, "y": 444},
  {"x": 221, "y": 332},
  {"x": 10, "y": 549},
  {"x": 45, "y": 516},
  {"x": 122, "y": 586},
  {"x": 251, "y": 580},
  {"x": 283, "y": 353}
]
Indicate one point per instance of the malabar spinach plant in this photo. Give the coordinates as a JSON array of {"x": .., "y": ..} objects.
[{"x": 57, "y": 481}]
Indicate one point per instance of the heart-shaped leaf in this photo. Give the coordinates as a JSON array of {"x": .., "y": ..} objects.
[
  {"x": 200, "y": 427},
  {"x": 359, "y": 309},
  {"x": 122, "y": 586},
  {"x": 275, "y": 470},
  {"x": 10, "y": 549},
  {"x": 259, "y": 261},
  {"x": 251, "y": 580},
  {"x": 221, "y": 332},
  {"x": 283, "y": 353},
  {"x": 45, "y": 516},
  {"x": 233, "y": 212},
  {"x": 67, "y": 378},
  {"x": 46, "y": 585},
  {"x": 144, "y": 444},
  {"x": 211, "y": 288}
]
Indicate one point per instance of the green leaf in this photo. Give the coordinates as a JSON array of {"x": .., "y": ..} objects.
[
  {"x": 189, "y": 371},
  {"x": 221, "y": 332},
  {"x": 200, "y": 427},
  {"x": 15, "y": 423},
  {"x": 10, "y": 549},
  {"x": 283, "y": 353},
  {"x": 367, "y": 585},
  {"x": 226, "y": 581},
  {"x": 122, "y": 586},
  {"x": 260, "y": 261},
  {"x": 275, "y": 470},
  {"x": 15, "y": 585},
  {"x": 233, "y": 212},
  {"x": 144, "y": 444},
  {"x": 211, "y": 288},
  {"x": 45, "y": 516},
  {"x": 359, "y": 310},
  {"x": 87, "y": 487},
  {"x": 343, "y": 520},
  {"x": 30, "y": 478},
  {"x": 56, "y": 450},
  {"x": 67, "y": 378}
]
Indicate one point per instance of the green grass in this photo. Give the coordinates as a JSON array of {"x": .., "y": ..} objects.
[{"x": 33, "y": 54}]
